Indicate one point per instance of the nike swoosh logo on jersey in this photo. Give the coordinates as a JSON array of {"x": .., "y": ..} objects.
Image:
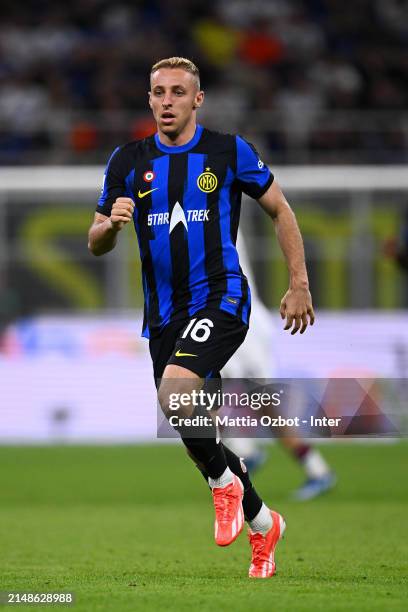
[
  {"x": 179, "y": 354},
  {"x": 145, "y": 193}
]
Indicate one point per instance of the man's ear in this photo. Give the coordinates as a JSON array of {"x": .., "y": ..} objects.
[
  {"x": 198, "y": 100},
  {"x": 149, "y": 93}
]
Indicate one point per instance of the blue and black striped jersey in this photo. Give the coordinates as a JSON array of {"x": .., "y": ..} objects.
[{"x": 187, "y": 207}]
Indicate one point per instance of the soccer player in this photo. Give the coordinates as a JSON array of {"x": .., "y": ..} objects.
[{"x": 182, "y": 188}]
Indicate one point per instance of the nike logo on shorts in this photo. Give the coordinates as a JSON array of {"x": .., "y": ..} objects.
[{"x": 179, "y": 354}]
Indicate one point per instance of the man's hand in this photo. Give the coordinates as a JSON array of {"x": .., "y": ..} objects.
[
  {"x": 122, "y": 213},
  {"x": 104, "y": 230},
  {"x": 296, "y": 307}
]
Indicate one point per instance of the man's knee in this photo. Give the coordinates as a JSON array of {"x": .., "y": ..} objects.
[
  {"x": 174, "y": 397},
  {"x": 175, "y": 389}
]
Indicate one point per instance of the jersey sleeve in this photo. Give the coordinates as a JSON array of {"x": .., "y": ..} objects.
[
  {"x": 114, "y": 183},
  {"x": 253, "y": 175}
]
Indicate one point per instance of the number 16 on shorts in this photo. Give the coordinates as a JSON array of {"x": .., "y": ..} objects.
[{"x": 198, "y": 329}]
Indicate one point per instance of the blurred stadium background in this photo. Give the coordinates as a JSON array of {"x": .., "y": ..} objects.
[
  {"x": 320, "y": 88},
  {"x": 322, "y": 94}
]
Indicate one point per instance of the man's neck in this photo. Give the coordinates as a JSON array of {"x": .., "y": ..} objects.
[{"x": 177, "y": 140}]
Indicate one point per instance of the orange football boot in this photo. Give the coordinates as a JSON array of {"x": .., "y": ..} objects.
[
  {"x": 229, "y": 514},
  {"x": 263, "y": 548}
]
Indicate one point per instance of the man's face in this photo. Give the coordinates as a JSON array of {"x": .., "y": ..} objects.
[{"x": 173, "y": 99}]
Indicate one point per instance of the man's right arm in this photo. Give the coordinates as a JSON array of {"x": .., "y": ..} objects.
[{"x": 103, "y": 231}]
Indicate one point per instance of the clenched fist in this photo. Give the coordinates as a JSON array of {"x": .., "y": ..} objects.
[{"x": 122, "y": 212}]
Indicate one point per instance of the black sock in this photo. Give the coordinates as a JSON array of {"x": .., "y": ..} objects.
[
  {"x": 209, "y": 454},
  {"x": 204, "y": 449},
  {"x": 251, "y": 503}
]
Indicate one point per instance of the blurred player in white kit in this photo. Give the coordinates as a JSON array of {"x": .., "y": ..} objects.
[{"x": 255, "y": 359}]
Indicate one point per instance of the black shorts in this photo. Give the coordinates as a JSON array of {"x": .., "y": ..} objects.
[{"x": 203, "y": 343}]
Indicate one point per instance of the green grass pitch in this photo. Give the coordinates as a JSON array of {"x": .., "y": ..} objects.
[{"x": 131, "y": 528}]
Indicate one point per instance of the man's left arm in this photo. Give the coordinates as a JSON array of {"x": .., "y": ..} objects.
[{"x": 296, "y": 305}]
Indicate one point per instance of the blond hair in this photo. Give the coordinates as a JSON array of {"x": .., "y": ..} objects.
[{"x": 178, "y": 62}]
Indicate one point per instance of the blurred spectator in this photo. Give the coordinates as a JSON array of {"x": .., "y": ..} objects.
[
  {"x": 393, "y": 13},
  {"x": 303, "y": 38},
  {"x": 24, "y": 103},
  {"x": 216, "y": 40},
  {"x": 339, "y": 80},
  {"x": 261, "y": 46},
  {"x": 142, "y": 128},
  {"x": 242, "y": 12},
  {"x": 285, "y": 70},
  {"x": 83, "y": 137},
  {"x": 300, "y": 103}
]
